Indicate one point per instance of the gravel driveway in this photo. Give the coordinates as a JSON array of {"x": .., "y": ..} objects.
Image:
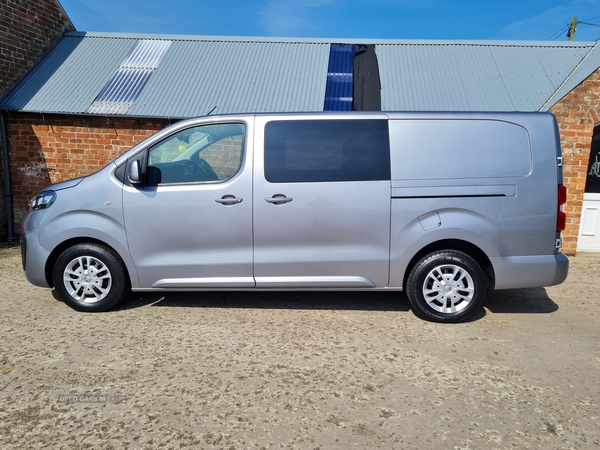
[{"x": 300, "y": 370}]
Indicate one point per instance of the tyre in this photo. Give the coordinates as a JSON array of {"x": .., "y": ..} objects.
[
  {"x": 446, "y": 286},
  {"x": 90, "y": 277}
]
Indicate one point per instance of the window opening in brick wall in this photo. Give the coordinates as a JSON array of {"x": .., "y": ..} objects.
[{"x": 592, "y": 183}]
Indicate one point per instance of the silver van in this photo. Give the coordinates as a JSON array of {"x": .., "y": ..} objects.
[{"x": 442, "y": 205}]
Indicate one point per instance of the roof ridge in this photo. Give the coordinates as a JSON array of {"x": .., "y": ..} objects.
[{"x": 275, "y": 39}]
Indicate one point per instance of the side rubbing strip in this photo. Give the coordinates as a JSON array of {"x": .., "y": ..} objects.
[{"x": 502, "y": 190}]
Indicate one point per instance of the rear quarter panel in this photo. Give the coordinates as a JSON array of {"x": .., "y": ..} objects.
[{"x": 507, "y": 211}]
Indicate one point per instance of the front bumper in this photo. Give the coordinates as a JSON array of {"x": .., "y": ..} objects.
[
  {"x": 24, "y": 252},
  {"x": 33, "y": 255}
]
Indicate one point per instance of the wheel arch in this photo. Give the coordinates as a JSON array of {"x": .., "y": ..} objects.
[
  {"x": 59, "y": 249},
  {"x": 459, "y": 245}
]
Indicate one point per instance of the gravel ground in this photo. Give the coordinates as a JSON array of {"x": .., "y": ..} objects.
[{"x": 300, "y": 370}]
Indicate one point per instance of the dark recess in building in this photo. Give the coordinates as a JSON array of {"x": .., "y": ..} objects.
[
  {"x": 592, "y": 182},
  {"x": 367, "y": 86},
  {"x": 352, "y": 79}
]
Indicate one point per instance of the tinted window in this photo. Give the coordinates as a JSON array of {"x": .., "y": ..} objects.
[
  {"x": 204, "y": 153},
  {"x": 327, "y": 150}
]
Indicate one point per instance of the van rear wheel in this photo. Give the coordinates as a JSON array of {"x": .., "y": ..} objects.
[
  {"x": 90, "y": 277},
  {"x": 446, "y": 286}
]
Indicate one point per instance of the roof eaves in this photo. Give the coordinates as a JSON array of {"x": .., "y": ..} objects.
[{"x": 102, "y": 115}]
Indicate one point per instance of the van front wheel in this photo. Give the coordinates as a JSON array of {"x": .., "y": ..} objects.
[
  {"x": 446, "y": 286},
  {"x": 90, "y": 277}
]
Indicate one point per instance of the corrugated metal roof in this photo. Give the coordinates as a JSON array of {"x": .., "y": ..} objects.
[
  {"x": 588, "y": 64},
  {"x": 195, "y": 74},
  {"x": 121, "y": 92},
  {"x": 468, "y": 77},
  {"x": 69, "y": 77}
]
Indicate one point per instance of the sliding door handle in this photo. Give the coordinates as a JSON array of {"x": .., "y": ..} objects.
[{"x": 279, "y": 199}]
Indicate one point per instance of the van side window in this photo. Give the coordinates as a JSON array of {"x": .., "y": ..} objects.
[
  {"x": 327, "y": 150},
  {"x": 199, "y": 154}
]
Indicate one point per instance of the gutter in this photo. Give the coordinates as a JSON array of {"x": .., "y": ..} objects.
[{"x": 7, "y": 191}]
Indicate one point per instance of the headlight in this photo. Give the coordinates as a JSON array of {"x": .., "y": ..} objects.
[{"x": 43, "y": 200}]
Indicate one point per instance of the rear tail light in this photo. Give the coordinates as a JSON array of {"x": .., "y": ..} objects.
[
  {"x": 561, "y": 219},
  {"x": 562, "y": 194},
  {"x": 561, "y": 222}
]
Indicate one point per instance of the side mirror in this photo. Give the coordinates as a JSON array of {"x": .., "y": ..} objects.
[
  {"x": 154, "y": 176},
  {"x": 133, "y": 172}
]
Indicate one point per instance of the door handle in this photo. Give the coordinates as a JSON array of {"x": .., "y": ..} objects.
[
  {"x": 279, "y": 199},
  {"x": 228, "y": 200}
]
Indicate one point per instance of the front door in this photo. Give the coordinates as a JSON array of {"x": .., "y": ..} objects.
[
  {"x": 321, "y": 203},
  {"x": 193, "y": 229}
]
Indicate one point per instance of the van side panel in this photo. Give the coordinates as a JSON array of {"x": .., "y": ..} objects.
[
  {"x": 449, "y": 149},
  {"x": 333, "y": 230},
  {"x": 492, "y": 181}
]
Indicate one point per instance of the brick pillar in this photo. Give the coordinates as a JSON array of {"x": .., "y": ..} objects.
[
  {"x": 577, "y": 113},
  {"x": 28, "y": 28}
]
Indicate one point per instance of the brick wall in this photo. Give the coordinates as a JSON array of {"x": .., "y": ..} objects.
[
  {"x": 49, "y": 149},
  {"x": 576, "y": 114},
  {"x": 28, "y": 28}
]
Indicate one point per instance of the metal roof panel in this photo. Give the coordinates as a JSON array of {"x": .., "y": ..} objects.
[
  {"x": 239, "y": 74},
  {"x": 122, "y": 91},
  {"x": 69, "y": 77},
  {"x": 194, "y": 77},
  {"x": 467, "y": 77},
  {"x": 589, "y": 63}
]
